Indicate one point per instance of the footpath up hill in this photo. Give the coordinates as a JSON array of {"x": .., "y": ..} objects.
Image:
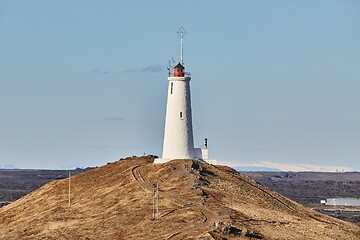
[{"x": 196, "y": 201}]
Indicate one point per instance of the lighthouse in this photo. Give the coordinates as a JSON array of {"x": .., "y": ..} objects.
[{"x": 178, "y": 134}]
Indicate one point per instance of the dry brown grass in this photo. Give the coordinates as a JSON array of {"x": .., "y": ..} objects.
[{"x": 115, "y": 202}]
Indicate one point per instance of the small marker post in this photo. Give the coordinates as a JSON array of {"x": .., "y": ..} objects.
[
  {"x": 155, "y": 213},
  {"x": 157, "y": 201},
  {"x": 69, "y": 203}
]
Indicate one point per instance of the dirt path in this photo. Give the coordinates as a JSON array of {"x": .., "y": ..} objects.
[
  {"x": 137, "y": 176},
  {"x": 209, "y": 217}
]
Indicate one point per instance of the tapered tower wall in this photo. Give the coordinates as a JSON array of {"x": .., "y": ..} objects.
[{"x": 178, "y": 135}]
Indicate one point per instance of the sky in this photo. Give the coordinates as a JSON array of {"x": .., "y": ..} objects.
[{"x": 274, "y": 83}]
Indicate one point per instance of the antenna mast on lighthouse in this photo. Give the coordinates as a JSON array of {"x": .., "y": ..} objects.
[{"x": 181, "y": 33}]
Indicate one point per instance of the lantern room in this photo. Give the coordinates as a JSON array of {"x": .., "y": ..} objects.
[{"x": 179, "y": 70}]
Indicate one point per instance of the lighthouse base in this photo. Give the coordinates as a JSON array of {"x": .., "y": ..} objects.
[
  {"x": 165, "y": 160},
  {"x": 162, "y": 160},
  {"x": 201, "y": 154}
]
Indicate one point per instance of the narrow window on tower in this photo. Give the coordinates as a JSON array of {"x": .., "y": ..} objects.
[
  {"x": 181, "y": 115},
  {"x": 171, "y": 88}
]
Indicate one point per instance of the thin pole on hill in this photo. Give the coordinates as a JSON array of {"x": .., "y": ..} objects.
[
  {"x": 69, "y": 190},
  {"x": 153, "y": 210},
  {"x": 155, "y": 213},
  {"x": 157, "y": 201}
]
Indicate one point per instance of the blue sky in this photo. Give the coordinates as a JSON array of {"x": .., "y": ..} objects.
[{"x": 84, "y": 83}]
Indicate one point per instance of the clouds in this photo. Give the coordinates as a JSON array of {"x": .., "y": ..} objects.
[
  {"x": 113, "y": 119},
  {"x": 97, "y": 71},
  {"x": 148, "y": 69},
  {"x": 156, "y": 68}
]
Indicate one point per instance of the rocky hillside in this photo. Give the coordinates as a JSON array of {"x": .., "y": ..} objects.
[{"x": 196, "y": 201}]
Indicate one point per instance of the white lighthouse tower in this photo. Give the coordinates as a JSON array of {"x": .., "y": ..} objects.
[{"x": 178, "y": 135}]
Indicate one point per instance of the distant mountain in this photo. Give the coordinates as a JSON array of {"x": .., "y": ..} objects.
[
  {"x": 7, "y": 166},
  {"x": 256, "y": 169}
]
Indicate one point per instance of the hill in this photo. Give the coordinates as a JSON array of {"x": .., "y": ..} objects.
[
  {"x": 15, "y": 183},
  {"x": 196, "y": 201}
]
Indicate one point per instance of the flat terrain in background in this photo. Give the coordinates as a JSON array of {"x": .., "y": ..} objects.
[
  {"x": 310, "y": 187},
  {"x": 307, "y": 188}
]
